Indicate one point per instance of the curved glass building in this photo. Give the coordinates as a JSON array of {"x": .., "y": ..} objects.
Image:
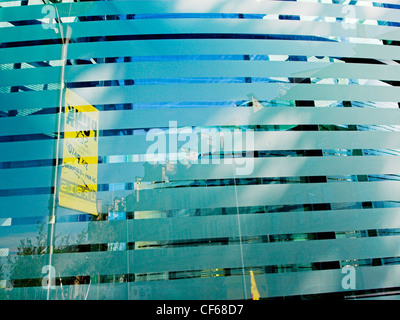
[{"x": 202, "y": 149}]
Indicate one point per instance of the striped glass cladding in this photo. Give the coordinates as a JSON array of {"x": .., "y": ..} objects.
[{"x": 314, "y": 84}]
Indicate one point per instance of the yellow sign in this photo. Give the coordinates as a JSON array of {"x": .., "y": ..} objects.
[
  {"x": 254, "y": 291},
  {"x": 78, "y": 186}
]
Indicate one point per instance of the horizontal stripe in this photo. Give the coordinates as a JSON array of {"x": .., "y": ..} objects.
[
  {"x": 250, "y": 195},
  {"x": 192, "y": 69},
  {"x": 289, "y": 140},
  {"x": 196, "y": 47},
  {"x": 208, "y": 117},
  {"x": 26, "y": 206},
  {"x": 199, "y": 26},
  {"x": 209, "y": 227},
  {"x": 217, "y": 288},
  {"x": 215, "y": 257},
  {"x": 204, "y": 92},
  {"x": 151, "y": 7},
  {"x": 262, "y": 167},
  {"x": 363, "y": 3},
  {"x": 221, "y": 197},
  {"x": 259, "y": 195}
]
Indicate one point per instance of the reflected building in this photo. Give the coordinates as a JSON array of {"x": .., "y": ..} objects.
[{"x": 213, "y": 150}]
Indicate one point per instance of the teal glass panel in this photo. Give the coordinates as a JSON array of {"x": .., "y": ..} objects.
[{"x": 205, "y": 150}]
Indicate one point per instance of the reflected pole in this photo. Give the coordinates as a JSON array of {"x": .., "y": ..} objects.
[
  {"x": 239, "y": 227},
  {"x": 52, "y": 220}
]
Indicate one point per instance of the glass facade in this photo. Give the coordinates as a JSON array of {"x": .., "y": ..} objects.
[{"x": 202, "y": 149}]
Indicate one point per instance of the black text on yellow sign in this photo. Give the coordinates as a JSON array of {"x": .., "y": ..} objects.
[{"x": 78, "y": 185}]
